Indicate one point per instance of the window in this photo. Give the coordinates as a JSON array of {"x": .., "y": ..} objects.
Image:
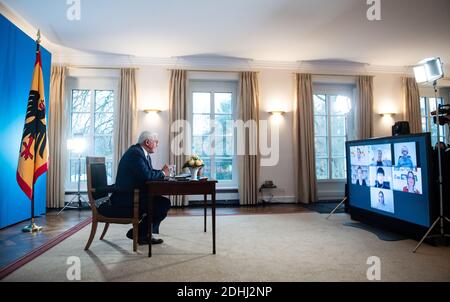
[
  {"x": 91, "y": 119},
  {"x": 427, "y": 105},
  {"x": 330, "y": 113},
  {"x": 213, "y": 137}
]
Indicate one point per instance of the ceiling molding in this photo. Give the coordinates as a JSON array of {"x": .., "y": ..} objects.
[{"x": 211, "y": 63}]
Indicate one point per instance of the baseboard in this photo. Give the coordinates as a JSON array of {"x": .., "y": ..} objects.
[
  {"x": 331, "y": 195},
  {"x": 282, "y": 199}
]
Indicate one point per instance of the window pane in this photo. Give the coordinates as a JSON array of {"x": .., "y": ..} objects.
[
  {"x": 104, "y": 123},
  {"x": 229, "y": 147},
  {"x": 201, "y": 102},
  {"x": 338, "y": 168},
  {"x": 337, "y": 125},
  {"x": 201, "y": 145},
  {"x": 319, "y": 104},
  {"x": 224, "y": 169},
  {"x": 223, "y": 146},
  {"x": 223, "y": 125},
  {"x": 81, "y": 123},
  {"x": 206, "y": 170},
  {"x": 434, "y": 130},
  {"x": 424, "y": 124},
  {"x": 321, "y": 146},
  {"x": 104, "y": 101},
  {"x": 322, "y": 168},
  {"x": 103, "y": 146},
  {"x": 201, "y": 124},
  {"x": 340, "y": 104},
  {"x": 81, "y": 100},
  {"x": 433, "y": 141},
  {"x": 423, "y": 110},
  {"x": 320, "y": 125},
  {"x": 74, "y": 170},
  {"x": 338, "y": 146},
  {"x": 222, "y": 103},
  {"x": 432, "y": 102}
]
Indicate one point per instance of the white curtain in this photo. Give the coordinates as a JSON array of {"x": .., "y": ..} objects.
[
  {"x": 248, "y": 164},
  {"x": 177, "y": 113},
  {"x": 56, "y": 138},
  {"x": 411, "y": 98},
  {"x": 364, "y": 106},
  {"x": 126, "y": 114},
  {"x": 303, "y": 140}
]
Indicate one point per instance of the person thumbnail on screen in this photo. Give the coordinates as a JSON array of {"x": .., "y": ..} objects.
[
  {"x": 359, "y": 156},
  {"x": 360, "y": 175},
  {"x": 381, "y": 155},
  {"x": 405, "y": 153},
  {"x": 411, "y": 184},
  {"x": 406, "y": 180},
  {"x": 380, "y": 177},
  {"x": 382, "y": 200}
]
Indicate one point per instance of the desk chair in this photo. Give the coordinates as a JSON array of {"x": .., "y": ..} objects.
[{"x": 98, "y": 193}]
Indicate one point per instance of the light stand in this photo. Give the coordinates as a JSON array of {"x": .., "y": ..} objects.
[
  {"x": 441, "y": 219},
  {"x": 77, "y": 146}
]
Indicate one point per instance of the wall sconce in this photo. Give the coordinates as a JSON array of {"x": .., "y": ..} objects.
[
  {"x": 277, "y": 116},
  {"x": 277, "y": 113},
  {"x": 153, "y": 111},
  {"x": 387, "y": 114}
]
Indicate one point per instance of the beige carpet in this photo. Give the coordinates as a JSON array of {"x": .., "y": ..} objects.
[{"x": 277, "y": 247}]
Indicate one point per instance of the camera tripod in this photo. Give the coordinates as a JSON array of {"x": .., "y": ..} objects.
[{"x": 441, "y": 219}]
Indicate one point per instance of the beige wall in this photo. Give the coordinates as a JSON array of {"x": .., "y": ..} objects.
[
  {"x": 153, "y": 93},
  {"x": 277, "y": 93},
  {"x": 387, "y": 99}
]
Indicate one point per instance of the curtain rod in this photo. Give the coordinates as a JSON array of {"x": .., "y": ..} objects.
[
  {"x": 209, "y": 70},
  {"x": 330, "y": 74},
  {"x": 94, "y": 67}
]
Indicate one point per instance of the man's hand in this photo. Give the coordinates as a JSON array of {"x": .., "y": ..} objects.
[{"x": 165, "y": 170}]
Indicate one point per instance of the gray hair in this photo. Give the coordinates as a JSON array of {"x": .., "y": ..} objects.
[{"x": 147, "y": 135}]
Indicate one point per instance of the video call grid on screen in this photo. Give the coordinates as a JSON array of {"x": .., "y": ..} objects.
[{"x": 386, "y": 177}]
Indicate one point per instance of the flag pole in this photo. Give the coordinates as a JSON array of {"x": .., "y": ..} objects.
[{"x": 32, "y": 227}]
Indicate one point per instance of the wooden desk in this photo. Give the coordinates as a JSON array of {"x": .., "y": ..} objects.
[{"x": 205, "y": 188}]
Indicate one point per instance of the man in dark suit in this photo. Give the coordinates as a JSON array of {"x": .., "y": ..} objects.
[{"x": 135, "y": 168}]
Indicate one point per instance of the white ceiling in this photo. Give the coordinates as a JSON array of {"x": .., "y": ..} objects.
[{"x": 273, "y": 30}]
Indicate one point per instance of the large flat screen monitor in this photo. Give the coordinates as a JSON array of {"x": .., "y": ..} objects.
[{"x": 389, "y": 180}]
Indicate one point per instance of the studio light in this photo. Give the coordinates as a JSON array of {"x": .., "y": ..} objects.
[
  {"x": 428, "y": 70},
  {"x": 76, "y": 145}
]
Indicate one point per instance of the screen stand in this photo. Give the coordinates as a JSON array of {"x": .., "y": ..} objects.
[
  {"x": 441, "y": 219},
  {"x": 337, "y": 207}
]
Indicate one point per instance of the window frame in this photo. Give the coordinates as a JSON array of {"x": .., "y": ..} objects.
[
  {"x": 331, "y": 90},
  {"x": 93, "y": 85},
  {"x": 429, "y": 118},
  {"x": 216, "y": 86}
]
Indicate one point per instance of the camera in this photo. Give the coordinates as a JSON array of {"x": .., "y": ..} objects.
[{"x": 442, "y": 115}]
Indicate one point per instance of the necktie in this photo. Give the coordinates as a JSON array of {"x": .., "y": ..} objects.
[{"x": 149, "y": 160}]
